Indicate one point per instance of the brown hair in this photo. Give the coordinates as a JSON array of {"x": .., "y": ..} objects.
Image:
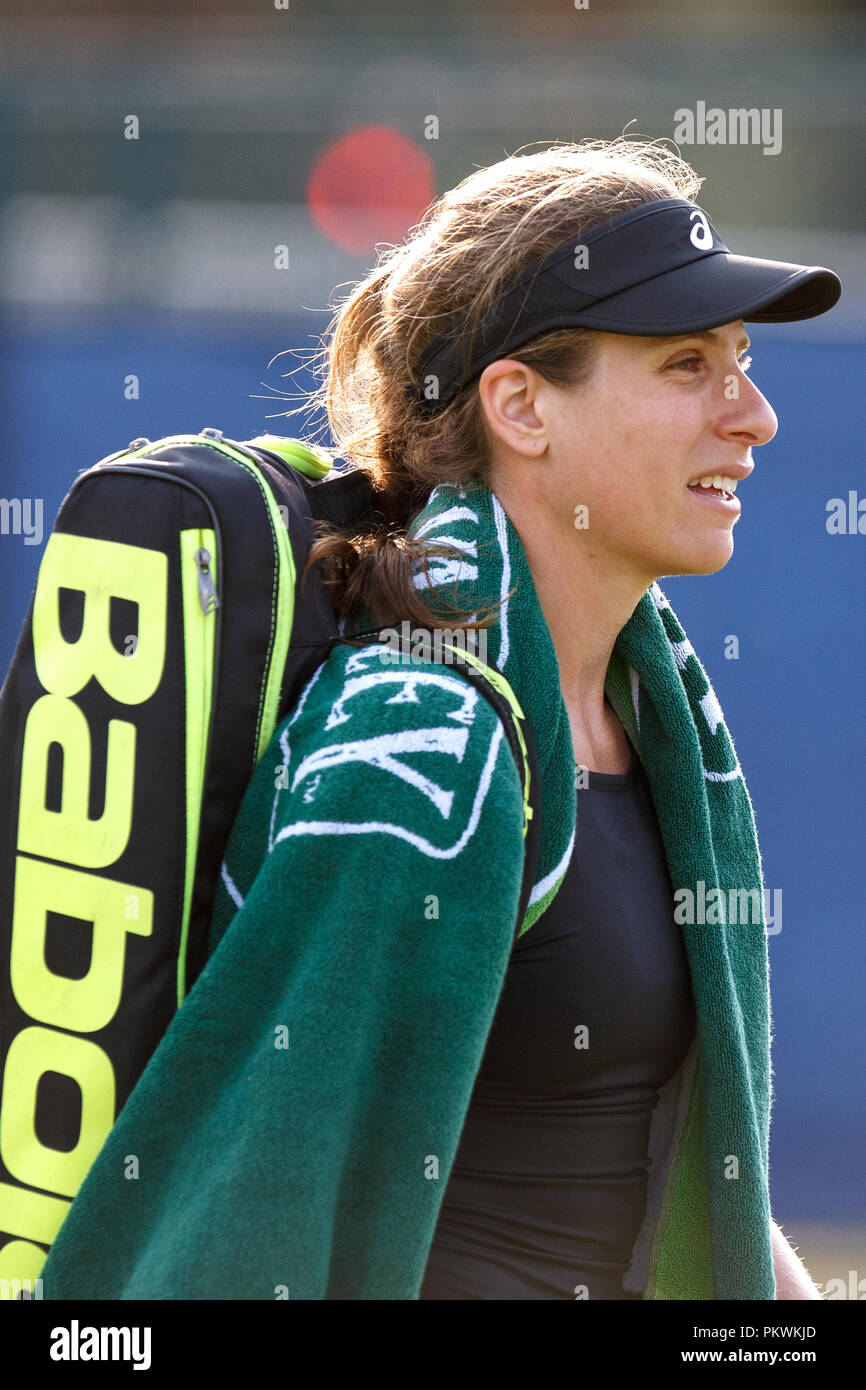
[{"x": 472, "y": 240}]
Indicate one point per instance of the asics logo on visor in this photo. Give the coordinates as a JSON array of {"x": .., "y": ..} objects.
[{"x": 701, "y": 234}]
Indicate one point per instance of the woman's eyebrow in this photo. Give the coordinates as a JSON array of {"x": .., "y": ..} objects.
[{"x": 709, "y": 335}]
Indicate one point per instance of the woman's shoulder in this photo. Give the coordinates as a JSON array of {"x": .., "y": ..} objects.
[
  {"x": 379, "y": 738},
  {"x": 382, "y": 772}
]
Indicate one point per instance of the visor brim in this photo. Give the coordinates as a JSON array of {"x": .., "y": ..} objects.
[{"x": 715, "y": 290}]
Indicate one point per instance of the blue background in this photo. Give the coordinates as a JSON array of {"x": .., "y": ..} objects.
[{"x": 792, "y": 594}]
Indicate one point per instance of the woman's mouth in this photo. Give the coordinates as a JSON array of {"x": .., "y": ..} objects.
[{"x": 716, "y": 489}]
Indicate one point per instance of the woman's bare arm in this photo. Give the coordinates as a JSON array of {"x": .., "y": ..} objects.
[{"x": 792, "y": 1277}]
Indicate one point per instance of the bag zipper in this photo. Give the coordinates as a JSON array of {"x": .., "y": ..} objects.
[
  {"x": 200, "y": 602},
  {"x": 206, "y": 588}
]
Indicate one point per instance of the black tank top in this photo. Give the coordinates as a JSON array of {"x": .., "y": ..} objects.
[{"x": 548, "y": 1188}]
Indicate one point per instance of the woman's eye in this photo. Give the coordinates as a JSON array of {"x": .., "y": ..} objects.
[{"x": 690, "y": 364}]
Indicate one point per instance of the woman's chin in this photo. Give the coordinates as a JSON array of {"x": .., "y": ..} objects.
[{"x": 706, "y": 558}]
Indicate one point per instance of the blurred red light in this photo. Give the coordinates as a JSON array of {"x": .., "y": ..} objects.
[{"x": 369, "y": 185}]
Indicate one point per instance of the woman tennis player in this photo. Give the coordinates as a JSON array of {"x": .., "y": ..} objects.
[{"x": 548, "y": 383}]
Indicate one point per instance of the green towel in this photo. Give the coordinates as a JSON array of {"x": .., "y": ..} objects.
[{"x": 294, "y": 1131}]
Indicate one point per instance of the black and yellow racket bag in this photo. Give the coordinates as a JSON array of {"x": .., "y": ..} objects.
[{"x": 166, "y": 638}]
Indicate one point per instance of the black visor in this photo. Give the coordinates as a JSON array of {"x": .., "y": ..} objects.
[{"x": 656, "y": 270}]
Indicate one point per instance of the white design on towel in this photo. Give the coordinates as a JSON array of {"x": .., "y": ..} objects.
[
  {"x": 545, "y": 884},
  {"x": 388, "y": 752},
  {"x": 682, "y": 651},
  {"x": 467, "y": 547},
  {"x": 231, "y": 886},
  {"x": 445, "y": 519},
  {"x": 500, "y": 516},
  {"x": 384, "y": 752},
  {"x": 724, "y": 776},
  {"x": 709, "y": 704},
  {"x": 400, "y": 831},
  {"x": 442, "y": 569},
  {"x": 712, "y": 710},
  {"x": 634, "y": 682},
  {"x": 285, "y": 746},
  {"x": 407, "y": 683}
]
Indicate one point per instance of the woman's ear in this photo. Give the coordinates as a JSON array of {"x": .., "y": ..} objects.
[{"x": 508, "y": 391}]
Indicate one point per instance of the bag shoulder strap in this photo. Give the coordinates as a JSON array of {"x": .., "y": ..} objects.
[{"x": 493, "y": 685}]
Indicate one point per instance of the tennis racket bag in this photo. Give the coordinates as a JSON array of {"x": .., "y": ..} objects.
[{"x": 166, "y": 638}]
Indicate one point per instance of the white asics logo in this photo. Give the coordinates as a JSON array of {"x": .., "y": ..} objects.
[{"x": 701, "y": 234}]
